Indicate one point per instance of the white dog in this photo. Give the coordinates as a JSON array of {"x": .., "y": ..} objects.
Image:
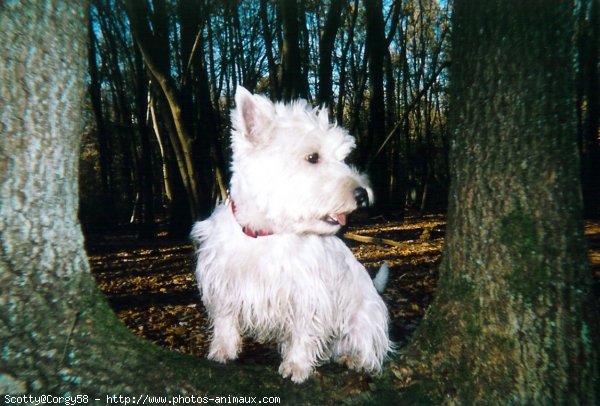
[{"x": 269, "y": 263}]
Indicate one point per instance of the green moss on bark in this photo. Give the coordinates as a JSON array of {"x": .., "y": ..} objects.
[{"x": 529, "y": 277}]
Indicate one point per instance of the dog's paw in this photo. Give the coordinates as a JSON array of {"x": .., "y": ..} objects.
[
  {"x": 296, "y": 372},
  {"x": 351, "y": 362},
  {"x": 356, "y": 363},
  {"x": 222, "y": 354}
]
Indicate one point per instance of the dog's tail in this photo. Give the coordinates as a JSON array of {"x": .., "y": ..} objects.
[{"x": 381, "y": 279}]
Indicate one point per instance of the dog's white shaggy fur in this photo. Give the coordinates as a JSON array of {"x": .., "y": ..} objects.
[{"x": 269, "y": 263}]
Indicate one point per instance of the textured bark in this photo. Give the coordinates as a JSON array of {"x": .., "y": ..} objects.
[
  {"x": 589, "y": 101},
  {"x": 513, "y": 321}
]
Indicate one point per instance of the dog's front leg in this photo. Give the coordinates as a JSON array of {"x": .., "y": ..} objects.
[
  {"x": 226, "y": 342},
  {"x": 299, "y": 356}
]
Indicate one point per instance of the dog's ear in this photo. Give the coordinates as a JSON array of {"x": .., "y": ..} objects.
[
  {"x": 253, "y": 114},
  {"x": 323, "y": 114}
]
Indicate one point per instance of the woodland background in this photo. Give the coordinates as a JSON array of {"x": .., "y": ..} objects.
[{"x": 162, "y": 75}]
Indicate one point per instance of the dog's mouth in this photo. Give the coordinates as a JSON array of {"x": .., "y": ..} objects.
[{"x": 336, "y": 219}]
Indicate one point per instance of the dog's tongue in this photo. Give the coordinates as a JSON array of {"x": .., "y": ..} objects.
[{"x": 340, "y": 218}]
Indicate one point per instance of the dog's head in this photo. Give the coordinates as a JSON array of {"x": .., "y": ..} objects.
[{"x": 289, "y": 169}]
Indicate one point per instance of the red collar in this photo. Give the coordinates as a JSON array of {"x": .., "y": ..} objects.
[{"x": 250, "y": 232}]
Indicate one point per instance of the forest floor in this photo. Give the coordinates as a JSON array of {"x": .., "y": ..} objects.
[{"x": 151, "y": 286}]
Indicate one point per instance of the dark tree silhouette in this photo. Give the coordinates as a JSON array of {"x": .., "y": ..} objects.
[
  {"x": 513, "y": 319},
  {"x": 293, "y": 83},
  {"x": 376, "y": 50},
  {"x": 326, "y": 48}
]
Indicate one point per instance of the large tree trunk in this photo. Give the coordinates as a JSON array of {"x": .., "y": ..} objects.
[
  {"x": 512, "y": 322},
  {"x": 58, "y": 335},
  {"x": 589, "y": 101}
]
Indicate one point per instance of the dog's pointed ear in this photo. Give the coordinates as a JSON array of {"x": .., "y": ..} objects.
[
  {"x": 252, "y": 115},
  {"x": 323, "y": 114}
]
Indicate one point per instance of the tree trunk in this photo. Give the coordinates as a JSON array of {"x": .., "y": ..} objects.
[
  {"x": 513, "y": 321},
  {"x": 178, "y": 204},
  {"x": 349, "y": 28},
  {"x": 205, "y": 146},
  {"x": 376, "y": 51},
  {"x": 268, "y": 38},
  {"x": 96, "y": 99},
  {"x": 326, "y": 43},
  {"x": 588, "y": 51},
  {"x": 291, "y": 80},
  {"x": 144, "y": 162}
]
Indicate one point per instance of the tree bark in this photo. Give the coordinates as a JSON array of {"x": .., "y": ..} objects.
[
  {"x": 513, "y": 321},
  {"x": 58, "y": 334},
  {"x": 588, "y": 43}
]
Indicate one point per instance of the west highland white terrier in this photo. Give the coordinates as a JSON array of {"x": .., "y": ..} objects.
[{"x": 269, "y": 263}]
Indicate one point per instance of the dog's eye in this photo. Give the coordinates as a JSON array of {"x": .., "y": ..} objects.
[{"x": 313, "y": 158}]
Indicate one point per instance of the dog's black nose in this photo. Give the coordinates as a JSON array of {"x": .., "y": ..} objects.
[{"x": 361, "y": 196}]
